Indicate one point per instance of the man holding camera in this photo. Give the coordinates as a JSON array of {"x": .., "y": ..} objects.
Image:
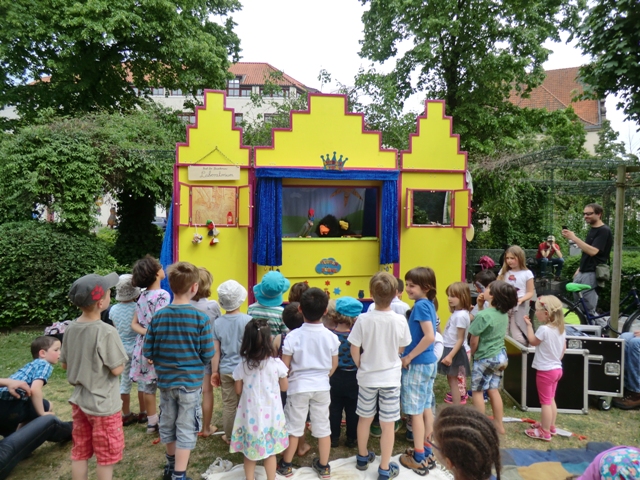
[{"x": 549, "y": 253}]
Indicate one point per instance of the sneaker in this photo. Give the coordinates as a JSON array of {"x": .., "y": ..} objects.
[
  {"x": 408, "y": 461},
  {"x": 362, "y": 463},
  {"x": 629, "y": 402},
  {"x": 142, "y": 417},
  {"x": 409, "y": 436},
  {"x": 323, "y": 472},
  {"x": 181, "y": 477},
  {"x": 129, "y": 419},
  {"x": 284, "y": 470},
  {"x": 152, "y": 429},
  {"x": 375, "y": 430},
  {"x": 393, "y": 472},
  {"x": 335, "y": 442},
  {"x": 396, "y": 427},
  {"x": 538, "y": 434},
  {"x": 431, "y": 461}
]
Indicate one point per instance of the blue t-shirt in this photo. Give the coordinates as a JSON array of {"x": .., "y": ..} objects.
[
  {"x": 423, "y": 311},
  {"x": 39, "y": 369},
  {"x": 229, "y": 330}
]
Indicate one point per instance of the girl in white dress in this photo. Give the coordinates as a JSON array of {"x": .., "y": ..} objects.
[
  {"x": 515, "y": 272},
  {"x": 259, "y": 428}
]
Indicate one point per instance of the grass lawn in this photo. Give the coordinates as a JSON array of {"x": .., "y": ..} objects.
[{"x": 143, "y": 459}]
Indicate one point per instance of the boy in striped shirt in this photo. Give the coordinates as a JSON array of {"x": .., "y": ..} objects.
[{"x": 179, "y": 343}]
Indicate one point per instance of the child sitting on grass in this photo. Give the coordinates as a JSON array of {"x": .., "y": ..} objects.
[{"x": 16, "y": 412}]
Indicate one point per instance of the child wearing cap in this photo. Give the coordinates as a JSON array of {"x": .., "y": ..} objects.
[
  {"x": 179, "y": 343},
  {"x": 344, "y": 385},
  {"x": 121, "y": 314},
  {"x": 268, "y": 294},
  {"x": 228, "y": 331},
  {"x": 93, "y": 356}
]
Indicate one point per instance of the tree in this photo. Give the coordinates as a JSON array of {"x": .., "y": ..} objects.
[
  {"x": 96, "y": 52},
  {"x": 470, "y": 53},
  {"x": 609, "y": 33}
]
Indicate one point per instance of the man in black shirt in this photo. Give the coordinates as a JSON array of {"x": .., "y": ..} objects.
[{"x": 596, "y": 249}]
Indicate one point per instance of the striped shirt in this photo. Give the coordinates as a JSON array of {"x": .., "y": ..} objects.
[
  {"x": 179, "y": 342},
  {"x": 273, "y": 316}
]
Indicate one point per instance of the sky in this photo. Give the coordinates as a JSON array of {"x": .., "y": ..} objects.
[{"x": 302, "y": 37}]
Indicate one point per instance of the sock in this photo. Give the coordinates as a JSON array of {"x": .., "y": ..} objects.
[
  {"x": 418, "y": 455},
  {"x": 152, "y": 419},
  {"x": 171, "y": 460},
  {"x": 178, "y": 475},
  {"x": 427, "y": 449}
]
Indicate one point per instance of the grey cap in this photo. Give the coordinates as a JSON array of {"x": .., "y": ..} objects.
[
  {"x": 551, "y": 238},
  {"x": 124, "y": 290},
  {"x": 231, "y": 295},
  {"x": 89, "y": 289}
]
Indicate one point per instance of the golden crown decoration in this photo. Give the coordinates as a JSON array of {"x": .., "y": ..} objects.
[{"x": 333, "y": 163}]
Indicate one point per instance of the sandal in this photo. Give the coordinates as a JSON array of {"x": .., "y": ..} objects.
[
  {"x": 142, "y": 417},
  {"x": 394, "y": 471},
  {"x": 538, "y": 434},
  {"x": 152, "y": 429},
  {"x": 552, "y": 430},
  {"x": 129, "y": 419}
]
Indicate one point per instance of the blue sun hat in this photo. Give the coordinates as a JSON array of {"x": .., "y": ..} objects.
[
  {"x": 348, "y": 306},
  {"x": 269, "y": 291}
]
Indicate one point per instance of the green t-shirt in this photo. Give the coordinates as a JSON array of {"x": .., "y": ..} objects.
[{"x": 491, "y": 326}]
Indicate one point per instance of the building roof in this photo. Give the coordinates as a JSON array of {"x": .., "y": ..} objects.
[
  {"x": 256, "y": 73},
  {"x": 556, "y": 92}
]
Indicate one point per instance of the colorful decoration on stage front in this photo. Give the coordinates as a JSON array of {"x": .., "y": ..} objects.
[
  {"x": 333, "y": 163},
  {"x": 328, "y": 266},
  {"x": 213, "y": 232}
]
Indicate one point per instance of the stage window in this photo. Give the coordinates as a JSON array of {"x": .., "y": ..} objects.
[{"x": 429, "y": 208}]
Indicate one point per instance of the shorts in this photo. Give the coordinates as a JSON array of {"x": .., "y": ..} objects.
[
  {"x": 91, "y": 434},
  {"x": 417, "y": 388},
  {"x": 148, "y": 387},
  {"x": 316, "y": 404},
  {"x": 547, "y": 383},
  {"x": 487, "y": 372},
  {"x": 180, "y": 416},
  {"x": 386, "y": 400},
  {"x": 125, "y": 379}
]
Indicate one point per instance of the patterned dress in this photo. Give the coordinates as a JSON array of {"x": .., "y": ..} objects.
[
  {"x": 150, "y": 302},
  {"x": 259, "y": 428}
]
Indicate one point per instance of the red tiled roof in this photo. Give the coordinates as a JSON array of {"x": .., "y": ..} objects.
[
  {"x": 254, "y": 73},
  {"x": 556, "y": 93}
]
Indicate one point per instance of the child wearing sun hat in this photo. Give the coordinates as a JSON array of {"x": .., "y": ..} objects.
[{"x": 269, "y": 300}]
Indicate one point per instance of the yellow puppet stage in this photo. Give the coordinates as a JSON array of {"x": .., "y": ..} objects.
[{"x": 401, "y": 209}]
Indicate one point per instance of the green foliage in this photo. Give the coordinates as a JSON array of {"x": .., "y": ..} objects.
[
  {"x": 471, "y": 54},
  {"x": 609, "y": 33},
  {"x": 96, "y": 52},
  {"x": 38, "y": 265}
]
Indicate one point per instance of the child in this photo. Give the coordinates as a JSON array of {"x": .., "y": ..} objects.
[
  {"x": 45, "y": 352},
  {"x": 296, "y": 291},
  {"x": 455, "y": 363},
  {"x": 344, "y": 384},
  {"x": 550, "y": 344},
  {"x": 487, "y": 348},
  {"x": 466, "y": 443},
  {"x": 180, "y": 366},
  {"x": 419, "y": 363},
  {"x": 210, "y": 308},
  {"x": 515, "y": 272},
  {"x": 259, "y": 378},
  {"x": 93, "y": 356},
  {"x": 311, "y": 354},
  {"x": 482, "y": 280},
  {"x": 121, "y": 314},
  {"x": 227, "y": 338},
  {"x": 397, "y": 305},
  {"x": 268, "y": 294},
  {"x": 147, "y": 273},
  {"x": 381, "y": 334}
]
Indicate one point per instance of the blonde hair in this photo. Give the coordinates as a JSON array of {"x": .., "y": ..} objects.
[
  {"x": 204, "y": 284},
  {"x": 383, "y": 287},
  {"x": 553, "y": 307},
  {"x": 517, "y": 252},
  {"x": 461, "y": 291}
]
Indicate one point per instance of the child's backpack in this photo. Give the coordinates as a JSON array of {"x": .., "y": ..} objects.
[{"x": 57, "y": 329}]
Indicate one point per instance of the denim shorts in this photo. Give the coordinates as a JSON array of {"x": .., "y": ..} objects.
[
  {"x": 417, "y": 388},
  {"x": 180, "y": 416},
  {"x": 487, "y": 372}
]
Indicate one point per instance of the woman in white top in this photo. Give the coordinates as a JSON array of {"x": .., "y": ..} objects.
[{"x": 515, "y": 272}]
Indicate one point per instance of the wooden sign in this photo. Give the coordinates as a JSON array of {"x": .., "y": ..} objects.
[{"x": 213, "y": 173}]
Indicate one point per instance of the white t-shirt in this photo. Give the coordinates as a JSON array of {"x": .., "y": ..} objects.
[
  {"x": 549, "y": 353},
  {"x": 311, "y": 347},
  {"x": 438, "y": 347},
  {"x": 381, "y": 334},
  {"x": 519, "y": 279},
  {"x": 397, "y": 306},
  {"x": 458, "y": 319}
]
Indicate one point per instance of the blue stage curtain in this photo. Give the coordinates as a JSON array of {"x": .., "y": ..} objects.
[
  {"x": 166, "y": 254},
  {"x": 267, "y": 240}
]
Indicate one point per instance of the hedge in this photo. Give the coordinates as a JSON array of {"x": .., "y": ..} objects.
[{"x": 37, "y": 267}]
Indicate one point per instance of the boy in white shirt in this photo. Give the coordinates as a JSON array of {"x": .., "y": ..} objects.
[
  {"x": 381, "y": 334},
  {"x": 311, "y": 354},
  {"x": 397, "y": 305}
]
